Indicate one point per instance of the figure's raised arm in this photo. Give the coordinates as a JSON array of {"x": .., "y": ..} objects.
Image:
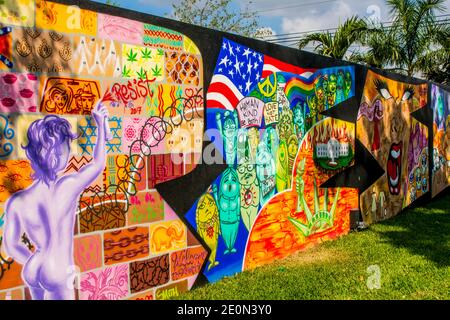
[{"x": 87, "y": 174}]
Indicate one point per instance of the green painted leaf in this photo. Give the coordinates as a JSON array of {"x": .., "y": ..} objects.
[
  {"x": 146, "y": 53},
  {"x": 157, "y": 71},
  {"x": 126, "y": 73},
  {"x": 131, "y": 56},
  {"x": 142, "y": 74}
]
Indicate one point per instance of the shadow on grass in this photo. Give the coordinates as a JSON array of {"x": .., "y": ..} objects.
[{"x": 425, "y": 230}]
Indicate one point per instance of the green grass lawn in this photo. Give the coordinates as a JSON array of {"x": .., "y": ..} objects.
[{"x": 411, "y": 250}]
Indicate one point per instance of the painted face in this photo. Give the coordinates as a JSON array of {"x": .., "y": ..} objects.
[
  {"x": 332, "y": 84},
  {"x": 282, "y": 155},
  {"x": 395, "y": 106},
  {"x": 207, "y": 208},
  {"x": 59, "y": 98},
  {"x": 418, "y": 178},
  {"x": 246, "y": 173},
  {"x": 292, "y": 147},
  {"x": 229, "y": 128},
  {"x": 229, "y": 184},
  {"x": 325, "y": 82},
  {"x": 320, "y": 94}
]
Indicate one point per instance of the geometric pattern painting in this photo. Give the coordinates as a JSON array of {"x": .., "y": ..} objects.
[{"x": 57, "y": 64}]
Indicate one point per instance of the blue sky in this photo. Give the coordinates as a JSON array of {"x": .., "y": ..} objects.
[{"x": 285, "y": 16}]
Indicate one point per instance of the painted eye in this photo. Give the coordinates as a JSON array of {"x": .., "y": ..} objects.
[
  {"x": 382, "y": 89},
  {"x": 406, "y": 96},
  {"x": 385, "y": 93},
  {"x": 409, "y": 92}
]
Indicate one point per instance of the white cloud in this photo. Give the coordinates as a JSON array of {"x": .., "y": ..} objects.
[
  {"x": 329, "y": 15},
  {"x": 337, "y": 12}
]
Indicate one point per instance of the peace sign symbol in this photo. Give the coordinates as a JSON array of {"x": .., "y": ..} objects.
[{"x": 267, "y": 88}]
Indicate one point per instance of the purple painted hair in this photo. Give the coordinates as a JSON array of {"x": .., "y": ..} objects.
[{"x": 45, "y": 138}]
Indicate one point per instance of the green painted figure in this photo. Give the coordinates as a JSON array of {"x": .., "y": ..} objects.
[
  {"x": 249, "y": 192},
  {"x": 325, "y": 82},
  {"x": 207, "y": 220},
  {"x": 253, "y": 142},
  {"x": 285, "y": 125},
  {"x": 317, "y": 102},
  {"x": 299, "y": 120},
  {"x": 292, "y": 148},
  {"x": 229, "y": 134},
  {"x": 282, "y": 167},
  {"x": 300, "y": 184},
  {"x": 340, "y": 87},
  {"x": 270, "y": 136},
  {"x": 243, "y": 151},
  {"x": 331, "y": 91},
  {"x": 347, "y": 84},
  {"x": 265, "y": 171},
  {"x": 228, "y": 201}
]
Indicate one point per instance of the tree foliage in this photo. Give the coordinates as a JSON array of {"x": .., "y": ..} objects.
[
  {"x": 216, "y": 14},
  {"x": 415, "y": 42},
  {"x": 337, "y": 44}
]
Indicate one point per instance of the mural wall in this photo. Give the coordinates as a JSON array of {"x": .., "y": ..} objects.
[
  {"x": 266, "y": 118},
  {"x": 440, "y": 103},
  {"x": 397, "y": 141},
  {"x": 82, "y": 175},
  {"x": 107, "y": 186}
]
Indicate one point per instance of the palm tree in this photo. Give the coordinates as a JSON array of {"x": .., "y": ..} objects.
[
  {"x": 336, "y": 45},
  {"x": 436, "y": 63},
  {"x": 414, "y": 44}
]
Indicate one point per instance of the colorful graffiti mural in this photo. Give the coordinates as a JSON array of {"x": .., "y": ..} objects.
[
  {"x": 397, "y": 141},
  {"x": 266, "y": 111},
  {"x": 105, "y": 189},
  {"x": 440, "y": 103},
  {"x": 305, "y": 214},
  {"x": 94, "y": 107}
]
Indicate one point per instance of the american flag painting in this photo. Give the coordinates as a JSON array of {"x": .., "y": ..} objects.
[{"x": 238, "y": 70}]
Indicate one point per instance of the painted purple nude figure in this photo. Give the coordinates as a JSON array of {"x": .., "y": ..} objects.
[{"x": 46, "y": 210}]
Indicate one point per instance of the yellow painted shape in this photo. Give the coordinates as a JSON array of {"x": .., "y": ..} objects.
[
  {"x": 67, "y": 19},
  {"x": 17, "y": 13}
]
